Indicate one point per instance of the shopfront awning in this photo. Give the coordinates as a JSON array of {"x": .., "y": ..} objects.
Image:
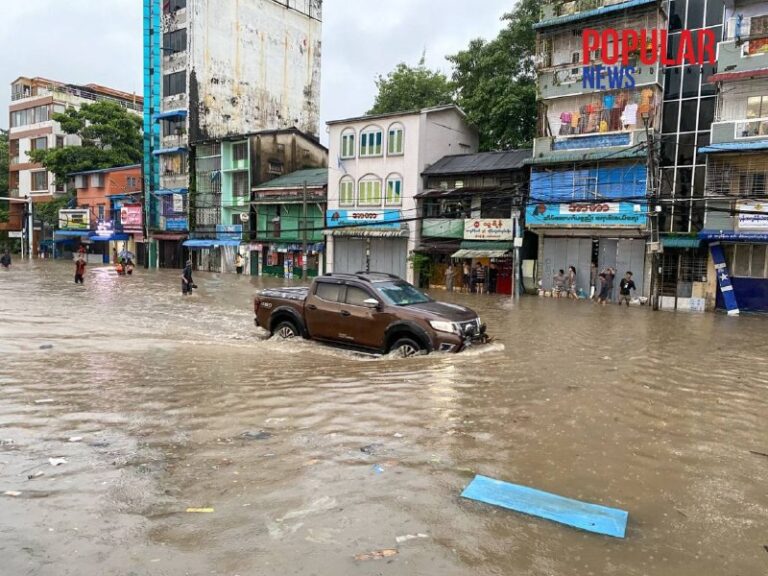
[
  {"x": 170, "y": 115},
  {"x": 173, "y": 150},
  {"x": 475, "y": 249},
  {"x": 210, "y": 243},
  {"x": 366, "y": 232},
  {"x": 110, "y": 238}
]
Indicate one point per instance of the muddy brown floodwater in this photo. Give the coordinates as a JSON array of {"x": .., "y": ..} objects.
[{"x": 309, "y": 456}]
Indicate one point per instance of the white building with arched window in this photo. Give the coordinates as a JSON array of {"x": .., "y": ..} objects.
[{"x": 375, "y": 166}]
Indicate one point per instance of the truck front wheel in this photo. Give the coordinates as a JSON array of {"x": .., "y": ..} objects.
[
  {"x": 286, "y": 330},
  {"x": 405, "y": 347}
]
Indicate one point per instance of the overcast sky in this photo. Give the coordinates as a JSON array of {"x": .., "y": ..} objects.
[{"x": 100, "y": 41}]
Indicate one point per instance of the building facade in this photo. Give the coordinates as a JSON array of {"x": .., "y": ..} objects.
[
  {"x": 289, "y": 213},
  {"x": 226, "y": 174},
  {"x": 589, "y": 185},
  {"x": 735, "y": 228},
  {"x": 34, "y": 101},
  {"x": 213, "y": 71},
  {"x": 472, "y": 213},
  {"x": 374, "y": 178}
]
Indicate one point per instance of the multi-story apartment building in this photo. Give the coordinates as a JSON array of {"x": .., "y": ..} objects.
[
  {"x": 214, "y": 70},
  {"x": 589, "y": 179},
  {"x": 34, "y": 101},
  {"x": 736, "y": 193},
  {"x": 375, "y": 171}
]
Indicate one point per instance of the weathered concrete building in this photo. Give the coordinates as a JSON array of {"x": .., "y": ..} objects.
[{"x": 213, "y": 71}]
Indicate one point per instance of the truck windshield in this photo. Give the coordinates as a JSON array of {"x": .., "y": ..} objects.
[{"x": 401, "y": 293}]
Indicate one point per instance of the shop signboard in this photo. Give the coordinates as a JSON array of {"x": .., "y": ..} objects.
[
  {"x": 752, "y": 215},
  {"x": 131, "y": 217},
  {"x": 489, "y": 229},
  {"x": 363, "y": 218},
  {"x": 588, "y": 215},
  {"x": 176, "y": 224},
  {"x": 178, "y": 203},
  {"x": 75, "y": 219},
  {"x": 233, "y": 232}
]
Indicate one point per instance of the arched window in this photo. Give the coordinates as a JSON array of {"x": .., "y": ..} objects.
[
  {"x": 347, "y": 191},
  {"x": 394, "y": 192},
  {"x": 348, "y": 143},
  {"x": 395, "y": 140},
  {"x": 371, "y": 141},
  {"x": 369, "y": 191}
]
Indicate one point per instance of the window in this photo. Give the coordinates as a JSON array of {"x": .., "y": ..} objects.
[
  {"x": 240, "y": 184},
  {"x": 59, "y": 141},
  {"x": 239, "y": 152},
  {"x": 29, "y": 116},
  {"x": 369, "y": 191},
  {"x": 175, "y": 41},
  {"x": 356, "y": 296},
  {"x": 347, "y": 192},
  {"x": 348, "y": 143},
  {"x": 395, "y": 140},
  {"x": 394, "y": 195},
  {"x": 101, "y": 212},
  {"x": 175, "y": 83},
  {"x": 370, "y": 142},
  {"x": 173, "y": 5},
  {"x": 39, "y": 143},
  {"x": 131, "y": 182},
  {"x": 329, "y": 292},
  {"x": 39, "y": 181},
  {"x": 275, "y": 167},
  {"x": 173, "y": 127}
]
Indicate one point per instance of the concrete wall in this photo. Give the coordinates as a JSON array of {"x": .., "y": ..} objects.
[{"x": 253, "y": 65}]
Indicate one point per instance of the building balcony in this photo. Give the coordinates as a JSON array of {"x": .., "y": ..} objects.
[
  {"x": 742, "y": 130},
  {"x": 174, "y": 141},
  {"x": 568, "y": 80},
  {"x": 174, "y": 181},
  {"x": 565, "y": 148},
  {"x": 558, "y": 13},
  {"x": 735, "y": 56}
]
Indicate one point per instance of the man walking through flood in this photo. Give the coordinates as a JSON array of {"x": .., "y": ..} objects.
[
  {"x": 80, "y": 270},
  {"x": 186, "y": 279},
  {"x": 5, "y": 260}
]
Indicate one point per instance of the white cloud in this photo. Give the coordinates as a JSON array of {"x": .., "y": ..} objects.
[{"x": 100, "y": 41}]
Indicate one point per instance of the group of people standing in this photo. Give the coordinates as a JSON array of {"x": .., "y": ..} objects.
[
  {"x": 601, "y": 285},
  {"x": 477, "y": 279}
]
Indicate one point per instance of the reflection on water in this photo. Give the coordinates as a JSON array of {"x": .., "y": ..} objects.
[{"x": 652, "y": 413}]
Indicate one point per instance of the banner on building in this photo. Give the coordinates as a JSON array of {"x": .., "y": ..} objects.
[
  {"x": 132, "y": 217},
  {"x": 175, "y": 224},
  {"x": 752, "y": 215},
  {"x": 233, "y": 232},
  {"x": 363, "y": 218},
  {"x": 588, "y": 214},
  {"x": 75, "y": 219},
  {"x": 489, "y": 229},
  {"x": 178, "y": 203}
]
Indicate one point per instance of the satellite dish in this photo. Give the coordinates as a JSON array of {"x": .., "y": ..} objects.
[{"x": 244, "y": 217}]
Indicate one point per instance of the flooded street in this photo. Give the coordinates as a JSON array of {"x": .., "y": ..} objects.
[{"x": 309, "y": 456}]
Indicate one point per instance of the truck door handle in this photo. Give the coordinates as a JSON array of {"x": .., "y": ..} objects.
[
  {"x": 312, "y": 307},
  {"x": 345, "y": 313}
]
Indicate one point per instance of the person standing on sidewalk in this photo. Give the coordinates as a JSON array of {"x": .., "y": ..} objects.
[{"x": 239, "y": 264}]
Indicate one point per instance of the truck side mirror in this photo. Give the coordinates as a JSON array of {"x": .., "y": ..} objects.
[{"x": 371, "y": 303}]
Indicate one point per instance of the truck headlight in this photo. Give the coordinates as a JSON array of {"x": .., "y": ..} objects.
[{"x": 443, "y": 326}]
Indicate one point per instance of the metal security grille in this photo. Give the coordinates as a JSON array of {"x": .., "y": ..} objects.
[{"x": 680, "y": 269}]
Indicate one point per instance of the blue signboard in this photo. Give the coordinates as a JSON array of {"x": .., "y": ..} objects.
[
  {"x": 363, "y": 218},
  {"x": 588, "y": 214},
  {"x": 733, "y": 236},
  {"x": 176, "y": 224},
  {"x": 233, "y": 232}
]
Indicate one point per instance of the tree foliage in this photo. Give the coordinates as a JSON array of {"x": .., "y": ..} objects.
[
  {"x": 496, "y": 81},
  {"x": 110, "y": 135},
  {"x": 48, "y": 212},
  {"x": 411, "y": 88}
]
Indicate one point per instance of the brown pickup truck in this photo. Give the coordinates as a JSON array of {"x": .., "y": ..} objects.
[{"x": 368, "y": 311}]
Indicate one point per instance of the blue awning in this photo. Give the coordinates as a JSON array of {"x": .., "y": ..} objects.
[
  {"x": 735, "y": 147},
  {"x": 170, "y": 115},
  {"x": 171, "y": 191},
  {"x": 211, "y": 243},
  {"x": 174, "y": 150},
  {"x": 602, "y": 11},
  {"x": 111, "y": 238},
  {"x": 71, "y": 232}
]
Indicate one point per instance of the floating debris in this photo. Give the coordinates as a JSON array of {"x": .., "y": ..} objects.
[{"x": 377, "y": 554}]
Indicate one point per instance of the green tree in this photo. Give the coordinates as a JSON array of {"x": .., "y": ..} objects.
[
  {"x": 48, "y": 212},
  {"x": 411, "y": 88},
  {"x": 496, "y": 81},
  {"x": 110, "y": 135}
]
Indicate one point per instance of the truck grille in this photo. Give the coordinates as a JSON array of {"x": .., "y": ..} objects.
[{"x": 470, "y": 326}]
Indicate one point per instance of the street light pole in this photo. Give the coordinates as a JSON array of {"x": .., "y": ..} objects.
[{"x": 653, "y": 217}]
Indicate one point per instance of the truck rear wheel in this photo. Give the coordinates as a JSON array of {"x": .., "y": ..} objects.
[
  {"x": 286, "y": 330},
  {"x": 405, "y": 347}
]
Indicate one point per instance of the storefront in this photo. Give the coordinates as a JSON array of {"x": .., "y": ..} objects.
[
  {"x": 368, "y": 240},
  {"x": 287, "y": 260},
  {"x": 580, "y": 234}
]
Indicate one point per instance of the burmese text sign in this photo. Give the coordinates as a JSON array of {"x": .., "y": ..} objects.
[
  {"x": 489, "y": 229},
  {"x": 588, "y": 214}
]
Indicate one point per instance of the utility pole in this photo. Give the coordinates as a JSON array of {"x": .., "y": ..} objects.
[
  {"x": 29, "y": 238},
  {"x": 304, "y": 233},
  {"x": 653, "y": 216}
]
